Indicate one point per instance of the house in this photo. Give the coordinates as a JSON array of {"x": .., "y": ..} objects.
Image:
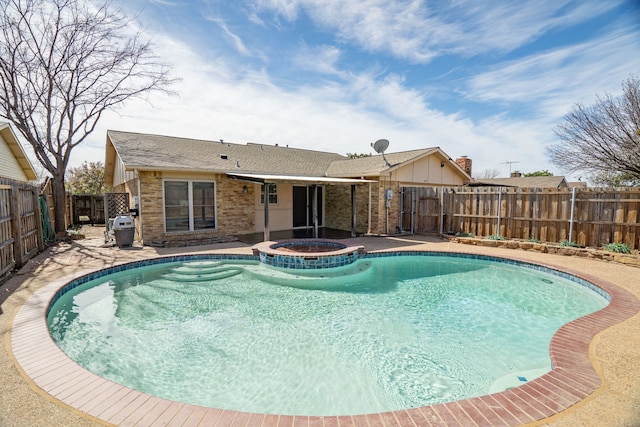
[
  {"x": 14, "y": 163},
  {"x": 186, "y": 189},
  {"x": 517, "y": 180}
]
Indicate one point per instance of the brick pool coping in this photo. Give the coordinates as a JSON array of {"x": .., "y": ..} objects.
[{"x": 572, "y": 379}]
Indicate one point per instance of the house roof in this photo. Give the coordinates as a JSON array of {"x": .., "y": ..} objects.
[
  {"x": 16, "y": 149},
  {"x": 524, "y": 181},
  {"x": 157, "y": 152},
  {"x": 268, "y": 178},
  {"x": 376, "y": 165}
]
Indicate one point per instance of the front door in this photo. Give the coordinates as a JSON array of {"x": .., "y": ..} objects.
[{"x": 303, "y": 208}]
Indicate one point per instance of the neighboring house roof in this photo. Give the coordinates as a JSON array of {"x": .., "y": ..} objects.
[
  {"x": 578, "y": 184},
  {"x": 16, "y": 150},
  {"x": 523, "y": 181},
  {"x": 157, "y": 152}
]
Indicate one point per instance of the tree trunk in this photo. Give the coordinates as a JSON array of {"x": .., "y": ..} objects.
[{"x": 59, "y": 203}]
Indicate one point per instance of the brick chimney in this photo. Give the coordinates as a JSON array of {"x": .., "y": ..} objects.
[
  {"x": 516, "y": 174},
  {"x": 465, "y": 163}
]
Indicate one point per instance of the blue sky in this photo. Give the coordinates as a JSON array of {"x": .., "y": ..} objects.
[{"x": 485, "y": 79}]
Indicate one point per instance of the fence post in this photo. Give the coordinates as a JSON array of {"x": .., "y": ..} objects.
[
  {"x": 499, "y": 209},
  {"x": 413, "y": 209},
  {"x": 441, "y": 199},
  {"x": 16, "y": 225},
  {"x": 38, "y": 213},
  {"x": 573, "y": 205}
]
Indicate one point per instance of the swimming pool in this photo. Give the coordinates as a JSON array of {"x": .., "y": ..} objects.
[{"x": 395, "y": 296}]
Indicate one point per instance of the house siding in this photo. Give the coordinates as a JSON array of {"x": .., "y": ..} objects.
[
  {"x": 234, "y": 209},
  {"x": 431, "y": 171},
  {"x": 9, "y": 166},
  {"x": 280, "y": 214}
]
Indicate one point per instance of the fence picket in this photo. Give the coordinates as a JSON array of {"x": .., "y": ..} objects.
[
  {"x": 601, "y": 215},
  {"x": 20, "y": 231}
]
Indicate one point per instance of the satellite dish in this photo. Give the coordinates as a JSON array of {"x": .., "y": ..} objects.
[{"x": 380, "y": 145}]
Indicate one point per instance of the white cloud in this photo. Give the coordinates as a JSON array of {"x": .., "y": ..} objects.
[
  {"x": 554, "y": 80},
  {"x": 321, "y": 59},
  {"x": 221, "y": 97},
  {"x": 214, "y": 105},
  {"x": 419, "y": 31}
]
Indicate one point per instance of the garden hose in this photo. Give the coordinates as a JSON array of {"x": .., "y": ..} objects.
[{"x": 48, "y": 233}]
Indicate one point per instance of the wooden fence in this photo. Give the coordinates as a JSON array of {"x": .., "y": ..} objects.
[
  {"x": 47, "y": 193},
  {"x": 20, "y": 224},
  {"x": 586, "y": 216},
  {"x": 88, "y": 209}
]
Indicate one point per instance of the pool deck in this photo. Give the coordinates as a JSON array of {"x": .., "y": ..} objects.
[{"x": 596, "y": 381}]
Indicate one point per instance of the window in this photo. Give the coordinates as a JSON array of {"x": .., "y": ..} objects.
[
  {"x": 273, "y": 193},
  {"x": 189, "y": 206}
]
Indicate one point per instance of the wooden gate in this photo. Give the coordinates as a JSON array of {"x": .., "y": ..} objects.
[
  {"x": 88, "y": 209},
  {"x": 20, "y": 224},
  {"x": 420, "y": 209}
]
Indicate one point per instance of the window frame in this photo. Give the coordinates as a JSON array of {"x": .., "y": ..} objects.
[
  {"x": 272, "y": 194},
  {"x": 190, "y": 200}
]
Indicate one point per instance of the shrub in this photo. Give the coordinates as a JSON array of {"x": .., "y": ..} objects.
[
  {"x": 534, "y": 240},
  {"x": 569, "y": 244},
  {"x": 617, "y": 247},
  {"x": 495, "y": 237},
  {"x": 463, "y": 234}
]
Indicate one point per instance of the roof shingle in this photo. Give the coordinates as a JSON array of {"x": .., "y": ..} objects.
[{"x": 159, "y": 152}]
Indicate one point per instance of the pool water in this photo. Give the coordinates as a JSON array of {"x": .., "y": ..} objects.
[{"x": 379, "y": 335}]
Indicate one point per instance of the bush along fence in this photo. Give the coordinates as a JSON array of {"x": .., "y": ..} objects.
[
  {"x": 585, "y": 216},
  {"x": 20, "y": 224}
]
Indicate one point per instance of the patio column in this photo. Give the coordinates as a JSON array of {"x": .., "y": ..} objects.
[
  {"x": 314, "y": 209},
  {"x": 265, "y": 190},
  {"x": 353, "y": 210}
]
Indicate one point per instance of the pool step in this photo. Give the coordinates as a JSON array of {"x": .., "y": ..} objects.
[
  {"x": 315, "y": 278},
  {"x": 189, "y": 269},
  {"x": 190, "y": 274}
]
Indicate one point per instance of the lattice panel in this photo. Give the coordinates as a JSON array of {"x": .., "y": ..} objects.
[{"x": 115, "y": 204}]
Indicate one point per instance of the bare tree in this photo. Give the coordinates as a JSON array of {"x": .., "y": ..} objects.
[
  {"x": 602, "y": 140},
  {"x": 487, "y": 174},
  {"x": 63, "y": 63}
]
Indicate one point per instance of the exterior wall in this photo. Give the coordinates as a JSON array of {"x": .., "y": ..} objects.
[
  {"x": 9, "y": 166},
  {"x": 234, "y": 209},
  {"x": 242, "y": 213},
  {"x": 338, "y": 207},
  {"x": 280, "y": 214},
  {"x": 429, "y": 171},
  {"x": 387, "y": 219},
  {"x": 120, "y": 176}
]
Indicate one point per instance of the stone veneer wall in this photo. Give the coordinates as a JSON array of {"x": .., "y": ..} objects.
[
  {"x": 234, "y": 211},
  {"x": 394, "y": 209},
  {"x": 338, "y": 207}
]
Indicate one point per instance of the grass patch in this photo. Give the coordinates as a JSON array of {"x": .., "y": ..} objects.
[
  {"x": 495, "y": 237},
  {"x": 463, "y": 234},
  {"x": 570, "y": 244},
  {"x": 620, "y": 248}
]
